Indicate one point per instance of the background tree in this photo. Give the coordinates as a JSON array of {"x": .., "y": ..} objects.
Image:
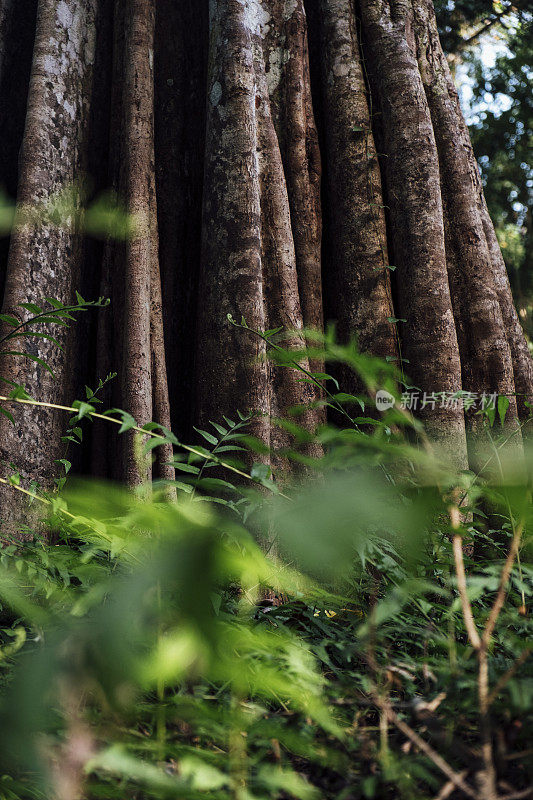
[
  {"x": 491, "y": 43},
  {"x": 214, "y": 123},
  {"x": 501, "y": 130}
]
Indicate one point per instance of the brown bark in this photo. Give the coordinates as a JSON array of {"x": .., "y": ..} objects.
[
  {"x": 417, "y": 223},
  {"x": 286, "y": 67},
  {"x": 206, "y": 129},
  {"x": 522, "y": 364},
  {"x": 485, "y": 353},
  {"x": 137, "y": 24},
  {"x": 43, "y": 259},
  {"x": 359, "y": 290},
  {"x": 250, "y": 265},
  {"x": 160, "y": 396},
  {"x": 136, "y": 283}
]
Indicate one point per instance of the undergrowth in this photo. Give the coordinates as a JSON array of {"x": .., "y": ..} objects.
[{"x": 376, "y": 648}]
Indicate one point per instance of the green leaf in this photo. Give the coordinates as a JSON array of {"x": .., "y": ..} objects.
[
  {"x": 151, "y": 444},
  {"x": 323, "y": 376},
  {"x": 343, "y": 397},
  {"x": 230, "y": 448},
  {"x": 83, "y": 409},
  {"x": 19, "y": 392},
  {"x": 182, "y": 467},
  {"x": 491, "y": 415},
  {"x": 56, "y": 319},
  {"x": 7, "y": 414},
  {"x": 207, "y": 436},
  {"x": 31, "y": 357},
  {"x": 53, "y": 302},
  {"x": 255, "y": 444},
  {"x": 31, "y": 307},
  {"x": 503, "y": 406},
  {"x": 9, "y": 320},
  {"x": 185, "y": 487},
  {"x": 128, "y": 423},
  {"x": 219, "y": 429},
  {"x": 396, "y": 319},
  {"x": 260, "y": 472},
  {"x": 212, "y": 484},
  {"x": 151, "y": 426}
]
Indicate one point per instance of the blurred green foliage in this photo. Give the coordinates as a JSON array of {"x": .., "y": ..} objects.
[
  {"x": 73, "y": 211},
  {"x": 153, "y": 650}
]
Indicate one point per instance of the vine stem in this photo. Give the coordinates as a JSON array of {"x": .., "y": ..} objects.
[
  {"x": 53, "y": 312},
  {"x": 481, "y": 643},
  {"x": 153, "y": 435},
  {"x": 138, "y": 429},
  {"x": 63, "y": 511}
]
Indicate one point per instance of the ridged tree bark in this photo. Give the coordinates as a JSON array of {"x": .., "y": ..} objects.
[
  {"x": 44, "y": 260},
  {"x": 261, "y": 231},
  {"x": 486, "y": 356},
  {"x": 417, "y": 219},
  {"x": 142, "y": 353},
  {"x": 356, "y": 278},
  {"x": 359, "y": 295},
  {"x": 132, "y": 275},
  {"x": 294, "y": 162}
]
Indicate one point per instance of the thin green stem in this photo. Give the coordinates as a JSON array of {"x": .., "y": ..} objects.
[
  {"x": 107, "y": 418},
  {"x": 63, "y": 511},
  {"x": 53, "y": 312}
]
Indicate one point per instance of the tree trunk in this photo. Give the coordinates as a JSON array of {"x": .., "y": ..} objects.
[
  {"x": 261, "y": 232},
  {"x": 44, "y": 260},
  {"x": 213, "y": 126},
  {"x": 417, "y": 220},
  {"x": 358, "y": 288},
  {"x": 486, "y": 355},
  {"x": 136, "y": 285}
]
